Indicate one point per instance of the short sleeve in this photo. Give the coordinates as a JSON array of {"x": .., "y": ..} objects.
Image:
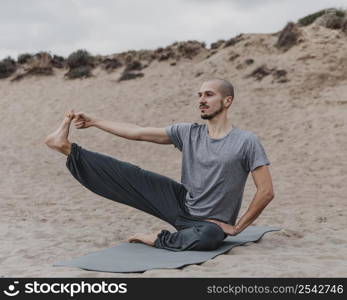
[
  {"x": 254, "y": 154},
  {"x": 177, "y": 133}
]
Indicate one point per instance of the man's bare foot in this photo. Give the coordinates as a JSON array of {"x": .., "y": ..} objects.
[
  {"x": 57, "y": 140},
  {"x": 147, "y": 239}
]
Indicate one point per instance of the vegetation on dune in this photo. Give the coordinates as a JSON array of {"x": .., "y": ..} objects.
[
  {"x": 80, "y": 63},
  {"x": 7, "y": 67},
  {"x": 309, "y": 19}
]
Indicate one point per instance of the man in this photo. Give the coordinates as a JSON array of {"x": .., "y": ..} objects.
[{"x": 217, "y": 159}]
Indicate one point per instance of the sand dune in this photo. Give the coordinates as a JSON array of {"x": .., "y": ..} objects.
[{"x": 47, "y": 216}]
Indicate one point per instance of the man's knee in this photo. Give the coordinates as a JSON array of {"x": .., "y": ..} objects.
[{"x": 211, "y": 237}]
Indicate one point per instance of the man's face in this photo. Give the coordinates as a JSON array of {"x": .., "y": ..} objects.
[{"x": 210, "y": 100}]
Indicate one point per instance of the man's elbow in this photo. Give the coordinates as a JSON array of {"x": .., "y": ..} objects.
[{"x": 268, "y": 194}]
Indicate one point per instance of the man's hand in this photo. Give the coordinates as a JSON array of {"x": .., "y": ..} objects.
[
  {"x": 82, "y": 120},
  {"x": 227, "y": 228}
]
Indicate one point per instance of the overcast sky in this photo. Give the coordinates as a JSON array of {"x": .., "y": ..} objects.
[{"x": 111, "y": 26}]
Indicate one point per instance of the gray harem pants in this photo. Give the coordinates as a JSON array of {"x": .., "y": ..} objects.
[{"x": 147, "y": 191}]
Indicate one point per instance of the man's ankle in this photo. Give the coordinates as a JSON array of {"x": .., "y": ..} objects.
[{"x": 66, "y": 148}]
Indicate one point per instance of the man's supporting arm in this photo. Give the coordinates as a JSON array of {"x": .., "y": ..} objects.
[
  {"x": 262, "y": 197},
  {"x": 264, "y": 194}
]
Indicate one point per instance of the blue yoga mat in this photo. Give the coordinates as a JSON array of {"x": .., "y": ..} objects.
[{"x": 137, "y": 257}]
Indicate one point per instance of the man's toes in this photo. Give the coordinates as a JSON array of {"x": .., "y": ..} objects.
[
  {"x": 70, "y": 115},
  {"x": 131, "y": 238},
  {"x": 134, "y": 240}
]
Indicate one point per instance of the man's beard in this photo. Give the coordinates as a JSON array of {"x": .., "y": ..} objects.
[{"x": 211, "y": 116}]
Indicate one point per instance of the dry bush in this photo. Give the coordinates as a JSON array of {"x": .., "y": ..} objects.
[
  {"x": 217, "y": 44},
  {"x": 130, "y": 75},
  {"x": 260, "y": 72},
  {"x": 280, "y": 75},
  {"x": 79, "y": 58},
  {"x": 133, "y": 66},
  {"x": 40, "y": 64},
  {"x": 190, "y": 49},
  {"x": 177, "y": 50},
  {"x": 79, "y": 72},
  {"x": 58, "y": 61},
  {"x": 24, "y": 58},
  {"x": 164, "y": 53},
  {"x": 7, "y": 67},
  {"x": 288, "y": 37},
  {"x": 332, "y": 19},
  {"x": 234, "y": 40},
  {"x": 80, "y": 64},
  {"x": 110, "y": 64},
  {"x": 309, "y": 19},
  {"x": 344, "y": 26}
]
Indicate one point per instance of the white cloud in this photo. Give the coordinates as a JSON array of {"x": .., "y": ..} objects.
[{"x": 107, "y": 26}]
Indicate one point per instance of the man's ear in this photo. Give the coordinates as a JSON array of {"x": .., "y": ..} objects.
[{"x": 229, "y": 99}]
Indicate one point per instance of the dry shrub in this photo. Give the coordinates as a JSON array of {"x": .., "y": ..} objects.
[
  {"x": 130, "y": 75},
  {"x": 133, "y": 66},
  {"x": 7, "y": 67},
  {"x": 309, "y": 19},
  {"x": 190, "y": 49},
  {"x": 217, "y": 44},
  {"x": 332, "y": 19},
  {"x": 79, "y": 72},
  {"x": 58, "y": 61},
  {"x": 233, "y": 56},
  {"x": 260, "y": 72},
  {"x": 40, "y": 64},
  {"x": 110, "y": 64},
  {"x": 177, "y": 50},
  {"x": 288, "y": 37},
  {"x": 79, "y": 58},
  {"x": 233, "y": 41},
  {"x": 249, "y": 61},
  {"x": 164, "y": 53},
  {"x": 80, "y": 64},
  {"x": 24, "y": 58},
  {"x": 344, "y": 26},
  {"x": 280, "y": 75}
]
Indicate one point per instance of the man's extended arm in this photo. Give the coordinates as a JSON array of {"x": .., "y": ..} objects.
[
  {"x": 123, "y": 129},
  {"x": 262, "y": 197}
]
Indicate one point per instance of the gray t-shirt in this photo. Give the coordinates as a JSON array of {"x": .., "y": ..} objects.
[{"x": 214, "y": 171}]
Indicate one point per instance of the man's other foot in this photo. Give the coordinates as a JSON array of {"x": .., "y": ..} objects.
[{"x": 147, "y": 239}]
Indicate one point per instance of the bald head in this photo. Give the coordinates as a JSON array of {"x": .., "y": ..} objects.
[{"x": 224, "y": 87}]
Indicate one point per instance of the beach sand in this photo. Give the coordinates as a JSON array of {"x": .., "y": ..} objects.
[{"x": 46, "y": 216}]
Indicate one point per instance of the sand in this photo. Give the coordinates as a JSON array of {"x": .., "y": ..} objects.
[{"x": 47, "y": 216}]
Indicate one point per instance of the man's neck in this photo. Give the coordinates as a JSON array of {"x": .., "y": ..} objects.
[{"x": 218, "y": 128}]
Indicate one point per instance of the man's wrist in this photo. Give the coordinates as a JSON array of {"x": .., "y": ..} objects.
[{"x": 94, "y": 122}]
